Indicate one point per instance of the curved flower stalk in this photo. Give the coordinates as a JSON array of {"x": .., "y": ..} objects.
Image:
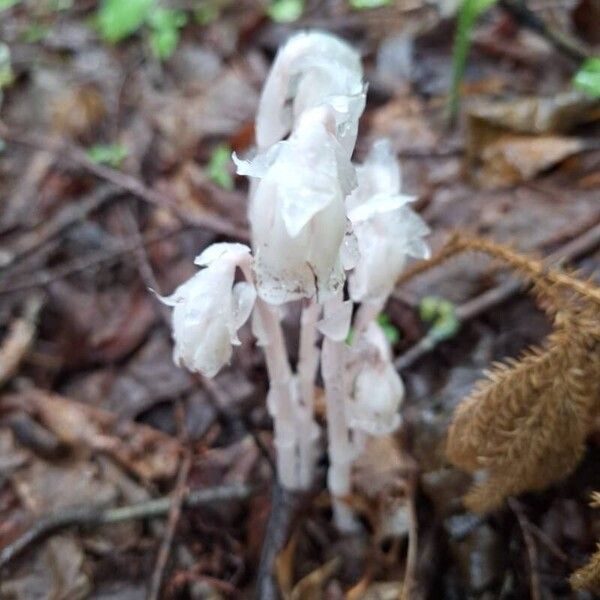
[
  {"x": 387, "y": 229},
  {"x": 208, "y": 309},
  {"x": 312, "y": 69},
  {"x": 298, "y": 215}
]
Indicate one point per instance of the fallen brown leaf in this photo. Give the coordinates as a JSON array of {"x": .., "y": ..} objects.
[{"x": 142, "y": 450}]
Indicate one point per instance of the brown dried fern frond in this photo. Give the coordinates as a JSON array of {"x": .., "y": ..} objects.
[
  {"x": 588, "y": 577},
  {"x": 524, "y": 427},
  {"x": 550, "y": 282}
]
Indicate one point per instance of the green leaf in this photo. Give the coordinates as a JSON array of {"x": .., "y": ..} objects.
[
  {"x": 285, "y": 11},
  {"x": 467, "y": 16},
  {"x": 108, "y": 154},
  {"x": 217, "y": 168},
  {"x": 587, "y": 79},
  {"x": 6, "y": 73},
  {"x": 118, "y": 19},
  {"x": 34, "y": 33},
  {"x": 442, "y": 316},
  {"x": 165, "y": 25},
  {"x": 366, "y": 4},
  {"x": 207, "y": 13},
  {"x": 60, "y": 5},
  {"x": 391, "y": 332},
  {"x": 6, "y": 4},
  {"x": 350, "y": 336}
]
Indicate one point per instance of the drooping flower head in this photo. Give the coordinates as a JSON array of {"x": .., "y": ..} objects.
[
  {"x": 387, "y": 229},
  {"x": 208, "y": 309},
  {"x": 297, "y": 213},
  {"x": 312, "y": 69},
  {"x": 378, "y": 391}
]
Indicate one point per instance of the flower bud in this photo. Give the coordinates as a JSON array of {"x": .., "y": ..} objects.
[
  {"x": 208, "y": 309},
  {"x": 387, "y": 230},
  {"x": 297, "y": 212},
  {"x": 312, "y": 68},
  {"x": 378, "y": 390}
]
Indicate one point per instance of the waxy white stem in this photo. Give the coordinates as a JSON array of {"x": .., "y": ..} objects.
[
  {"x": 307, "y": 368},
  {"x": 366, "y": 313},
  {"x": 281, "y": 404},
  {"x": 340, "y": 448}
]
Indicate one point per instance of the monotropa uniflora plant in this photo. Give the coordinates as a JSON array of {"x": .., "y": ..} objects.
[{"x": 317, "y": 221}]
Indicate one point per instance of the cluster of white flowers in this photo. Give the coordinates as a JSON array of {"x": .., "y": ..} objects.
[{"x": 317, "y": 220}]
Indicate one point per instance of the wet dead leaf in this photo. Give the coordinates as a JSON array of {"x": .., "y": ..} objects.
[
  {"x": 311, "y": 586},
  {"x": 513, "y": 158},
  {"x": 77, "y": 110},
  {"x": 403, "y": 121},
  {"x": 142, "y": 450},
  {"x": 55, "y": 573},
  {"x": 535, "y": 114},
  {"x": 379, "y": 477},
  {"x": 284, "y": 566},
  {"x": 358, "y": 591},
  {"x": 390, "y": 590},
  {"x": 41, "y": 486},
  {"x": 512, "y": 141}
]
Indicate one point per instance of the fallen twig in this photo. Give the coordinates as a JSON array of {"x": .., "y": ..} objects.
[
  {"x": 284, "y": 506},
  {"x": 44, "y": 278},
  {"x": 122, "y": 180},
  {"x": 70, "y": 215},
  {"x": 560, "y": 40},
  {"x": 19, "y": 339},
  {"x": 467, "y": 311},
  {"x": 100, "y": 516},
  {"x": 534, "y": 576},
  {"x": 174, "y": 515}
]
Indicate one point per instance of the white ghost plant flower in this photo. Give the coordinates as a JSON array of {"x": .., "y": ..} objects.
[
  {"x": 209, "y": 308},
  {"x": 297, "y": 214},
  {"x": 313, "y": 217},
  {"x": 377, "y": 391},
  {"x": 312, "y": 69},
  {"x": 387, "y": 229}
]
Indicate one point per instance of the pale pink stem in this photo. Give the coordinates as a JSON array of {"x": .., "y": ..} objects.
[
  {"x": 340, "y": 448},
  {"x": 366, "y": 313},
  {"x": 280, "y": 400},
  {"x": 307, "y": 368}
]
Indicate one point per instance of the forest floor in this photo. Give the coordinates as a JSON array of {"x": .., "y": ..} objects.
[{"x": 115, "y": 173}]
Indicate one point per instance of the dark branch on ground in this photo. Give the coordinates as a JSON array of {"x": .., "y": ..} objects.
[
  {"x": 576, "y": 248},
  {"x": 284, "y": 507},
  {"x": 560, "y": 40},
  {"x": 124, "y": 181},
  {"x": 94, "y": 516}
]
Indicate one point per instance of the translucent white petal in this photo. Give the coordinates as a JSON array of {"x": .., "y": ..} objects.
[
  {"x": 234, "y": 252},
  {"x": 378, "y": 394},
  {"x": 386, "y": 228},
  {"x": 298, "y": 216},
  {"x": 378, "y": 204},
  {"x": 337, "y": 326},
  {"x": 258, "y": 329},
  {"x": 349, "y": 252},
  {"x": 243, "y": 297},
  {"x": 208, "y": 310}
]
